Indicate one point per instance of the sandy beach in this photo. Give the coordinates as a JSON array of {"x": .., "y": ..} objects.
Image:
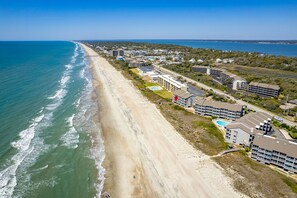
[{"x": 145, "y": 155}]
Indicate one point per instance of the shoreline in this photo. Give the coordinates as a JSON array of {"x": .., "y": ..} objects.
[{"x": 144, "y": 155}]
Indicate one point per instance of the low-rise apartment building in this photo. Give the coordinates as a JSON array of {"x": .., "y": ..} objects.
[
  {"x": 239, "y": 83},
  {"x": 263, "y": 89},
  {"x": 278, "y": 152},
  {"x": 219, "y": 109},
  {"x": 243, "y": 130},
  {"x": 136, "y": 63},
  {"x": 183, "y": 98},
  {"x": 171, "y": 84},
  {"x": 231, "y": 80},
  {"x": 202, "y": 69}
]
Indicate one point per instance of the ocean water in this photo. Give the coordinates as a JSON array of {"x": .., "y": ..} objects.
[
  {"x": 50, "y": 145},
  {"x": 279, "y": 49}
]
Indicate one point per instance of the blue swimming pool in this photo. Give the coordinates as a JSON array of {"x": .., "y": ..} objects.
[
  {"x": 155, "y": 88},
  {"x": 222, "y": 123}
]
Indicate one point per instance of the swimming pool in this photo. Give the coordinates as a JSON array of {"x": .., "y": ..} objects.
[
  {"x": 222, "y": 123},
  {"x": 155, "y": 88}
]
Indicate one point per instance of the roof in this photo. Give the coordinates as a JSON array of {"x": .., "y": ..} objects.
[
  {"x": 182, "y": 93},
  {"x": 264, "y": 85},
  {"x": 169, "y": 79},
  {"x": 249, "y": 122},
  {"x": 198, "y": 66},
  {"x": 146, "y": 68},
  {"x": 293, "y": 101},
  {"x": 219, "y": 105},
  {"x": 275, "y": 144},
  {"x": 245, "y": 128}
]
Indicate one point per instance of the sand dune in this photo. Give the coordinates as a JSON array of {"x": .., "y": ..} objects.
[{"x": 145, "y": 155}]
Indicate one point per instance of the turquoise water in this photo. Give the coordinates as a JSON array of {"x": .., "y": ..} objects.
[
  {"x": 155, "y": 88},
  {"x": 222, "y": 123},
  {"x": 261, "y": 47},
  {"x": 49, "y": 144}
]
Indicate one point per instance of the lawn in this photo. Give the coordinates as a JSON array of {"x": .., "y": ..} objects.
[
  {"x": 164, "y": 94},
  {"x": 135, "y": 71},
  {"x": 149, "y": 84}
]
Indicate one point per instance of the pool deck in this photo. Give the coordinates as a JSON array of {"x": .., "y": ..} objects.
[
  {"x": 155, "y": 88},
  {"x": 222, "y": 129}
]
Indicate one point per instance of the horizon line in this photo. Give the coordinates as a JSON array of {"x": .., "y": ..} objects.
[{"x": 131, "y": 39}]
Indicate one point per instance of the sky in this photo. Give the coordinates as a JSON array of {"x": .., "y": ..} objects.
[{"x": 154, "y": 19}]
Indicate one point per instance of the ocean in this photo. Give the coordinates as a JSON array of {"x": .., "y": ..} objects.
[
  {"x": 266, "y": 47},
  {"x": 50, "y": 144}
]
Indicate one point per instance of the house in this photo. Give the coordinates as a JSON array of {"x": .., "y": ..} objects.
[
  {"x": 278, "y": 152},
  {"x": 293, "y": 101},
  {"x": 219, "y": 109},
  {"x": 182, "y": 98},
  {"x": 170, "y": 83},
  {"x": 228, "y": 60},
  {"x": 192, "y": 60},
  {"x": 243, "y": 130},
  {"x": 218, "y": 60},
  {"x": 263, "y": 89},
  {"x": 162, "y": 59}
]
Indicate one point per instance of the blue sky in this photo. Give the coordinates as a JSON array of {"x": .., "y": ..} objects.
[{"x": 154, "y": 19}]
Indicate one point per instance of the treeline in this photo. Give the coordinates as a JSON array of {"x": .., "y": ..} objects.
[{"x": 210, "y": 55}]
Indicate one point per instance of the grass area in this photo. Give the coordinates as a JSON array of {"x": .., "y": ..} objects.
[
  {"x": 249, "y": 177},
  {"x": 164, "y": 94},
  {"x": 255, "y": 179},
  {"x": 150, "y": 84},
  {"x": 211, "y": 128},
  {"x": 135, "y": 71}
]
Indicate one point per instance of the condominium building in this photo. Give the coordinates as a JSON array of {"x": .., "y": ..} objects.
[
  {"x": 239, "y": 83},
  {"x": 136, "y": 63},
  {"x": 243, "y": 130},
  {"x": 121, "y": 52},
  {"x": 171, "y": 84},
  {"x": 183, "y": 98},
  {"x": 220, "y": 109},
  {"x": 262, "y": 89},
  {"x": 202, "y": 69},
  {"x": 278, "y": 152},
  {"x": 116, "y": 53}
]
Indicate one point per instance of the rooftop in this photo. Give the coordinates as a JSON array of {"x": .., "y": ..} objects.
[
  {"x": 264, "y": 85},
  {"x": 219, "y": 105},
  {"x": 182, "y": 93},
  {"x": 169, "y": 79},
  {"x": 275, "y": 144},
  {"x": 250, "y": 122}
]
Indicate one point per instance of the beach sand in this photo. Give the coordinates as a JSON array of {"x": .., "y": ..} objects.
[{"x": 145, "y": 155}]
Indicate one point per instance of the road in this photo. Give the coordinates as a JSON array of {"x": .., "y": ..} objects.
[{"x": 206, "y": 87}]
